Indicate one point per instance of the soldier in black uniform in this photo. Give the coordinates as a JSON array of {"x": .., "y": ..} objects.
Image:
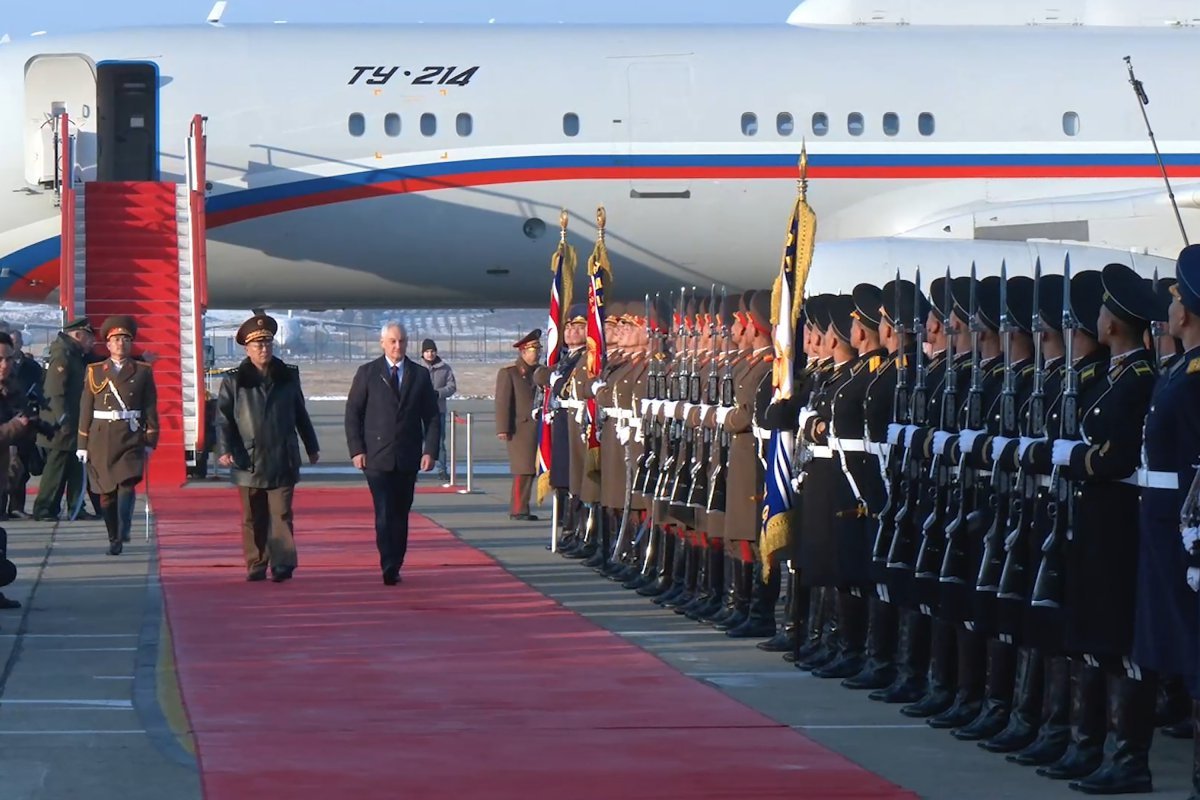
[{"x": 1101, "y": 571}]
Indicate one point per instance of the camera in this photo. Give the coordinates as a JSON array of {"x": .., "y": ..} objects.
[{"x": 32, "y": 408}]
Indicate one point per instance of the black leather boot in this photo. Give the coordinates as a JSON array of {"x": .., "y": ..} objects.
[
  {"x": 760, "y": 622},
  {"x": 879, "y": 670},
  {"x": 679, "y": 567},
  {"x": 589, "y": 522},
  {"x": 716, "y": 581},
  {"x": 968, "y": 697},
  {"x": 703, "y": 592},
  {"x": 601, "y": 537},
  {"x": 665, "y": 566},
  {"x": 691, "y": 579},
  {"x": 1172, "y": 703},
  {"x": 942, "y": 675},
  {"x": 740, "y": 574},
  {"x": 1055, "y": 730},
  {"x": 997, "y": 694},
  {"x": 852, "y": 626},
  {"x": 726, "y": 606},
  {"x": 1085, "y": 750},
  {"x": 912, "y": 662},
  {"x": 784, "y": 640},
  {"x": 1126, "y": 766},
  {"x": 829, "y": 641},
  {"x": 810, "y": 640},
  {"x": 646, "y": 569},
  {"x": 1026, "y": 713}
]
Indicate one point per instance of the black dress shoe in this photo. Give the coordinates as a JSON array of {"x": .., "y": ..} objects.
[
  {"x": 281, "y": 575},
  {"x": 6, "y": 603},
  {"x": 125, "y": 537},
  {"x": 115, "y": 548},
  {"x": 254, "y": 577},
  {"x": 391, "y": 578},
  {"x": 783, "y": 641},
  {"x": 523, "y": 517}
]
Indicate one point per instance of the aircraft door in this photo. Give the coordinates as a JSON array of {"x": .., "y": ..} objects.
[
  {"x": 661, "y": 112},
  {"x": 128, "y": 101},
  {"x": 54, "y": 85}
]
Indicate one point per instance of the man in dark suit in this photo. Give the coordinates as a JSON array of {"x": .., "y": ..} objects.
[{"x": 392, "y": 429}]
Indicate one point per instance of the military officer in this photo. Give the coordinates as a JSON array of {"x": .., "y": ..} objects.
[
  {"x": 63, "y": 389},
  {"x": 118, "y": 427},
  {"x": 516, "y": 421}
]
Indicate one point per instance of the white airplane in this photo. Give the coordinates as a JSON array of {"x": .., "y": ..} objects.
[{"x": 426, "y": 165}]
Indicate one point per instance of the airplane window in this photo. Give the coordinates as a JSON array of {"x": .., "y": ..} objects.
[
  {"x": 428, "y": 124},
  {"x": 357, "y": 124},
  {"x": 891, "y": 123},
  {"x": 571, "y": 124},
  {"x": 749, "y": 124},
  {"x": 784, "y": 124},
  {"x": 854, "y": 124},
  {"x": 391, "y": 124},
  {"x": 820, "y": 124},
  {"x": 925, "y": 124},
  {"x": 1070, "y": 123},
  {"x": 463, "y": 124}
]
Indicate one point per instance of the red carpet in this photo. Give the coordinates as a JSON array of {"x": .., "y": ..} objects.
[{"x": 462, "y": 682}]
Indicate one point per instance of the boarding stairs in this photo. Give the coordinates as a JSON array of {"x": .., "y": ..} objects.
[{"x": 137, "y": 248}]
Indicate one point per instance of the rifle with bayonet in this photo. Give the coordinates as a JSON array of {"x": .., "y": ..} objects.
[
  {"x": 1013, "y": 578},
  {"x": 901, "y": 407},
  {"x": 718, "y": 483},
  {"x": 698, "y": 490},
  {"x": 676, "y": 391},
  {"x": 992, "y": 563},
  {"x": 681, "y": 484},
  {"x": 955, "y": 563},
  {"x": 904, "y": 548},
  {"x": 649, "y": 453},
  {"x": 933, "y": 529},
  {"x": 1048, "y": 585}
]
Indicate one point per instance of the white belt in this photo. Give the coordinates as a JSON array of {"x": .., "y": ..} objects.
[
  {"x": 1042, "y": 481},
  {"x": 876, "y": 448},
  {"x": 571, "y": 403},
  {"x": 820, "y": 451},
  {"x": 619, "y": 413},
  {"x": 762, "y": 434},
  {"x": 1153, "y": 479},
  {"x": 848, "y": 445},
  {"x": 114, "y": 415}
]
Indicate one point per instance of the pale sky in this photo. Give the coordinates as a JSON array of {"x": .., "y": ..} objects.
[{"x": 20, "y": 18}]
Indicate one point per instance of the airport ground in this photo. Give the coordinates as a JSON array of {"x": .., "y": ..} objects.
[{"x": 89, "y": 706}]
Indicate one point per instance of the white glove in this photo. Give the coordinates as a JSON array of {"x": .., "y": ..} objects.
[
  {"x": 597, "y": 385},
  {"x": 909, "y": 432},
  {"x": 1063, "y": 448},
  {"x": 1189, "y": 536},
  {"x": 645, "y": 405},
  {"x": 998, "y": 445},
  {"x": 82, "y": 456},
  {"x": 966, "y": 439},
  {"x": 623, "y": 434},
  {"x": 1025, "y": 443},
  {"x": 1193, "y": 578},
  {"x": 895, "y": 432},
  {"x": 669, "y": 408},
  {"x": 940, "y": 438},
  {"x": 723, "y": 414},
  {"x": 805, "y": 416}
]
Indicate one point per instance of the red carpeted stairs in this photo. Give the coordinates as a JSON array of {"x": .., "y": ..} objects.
[{"x": 131, "y": 248}]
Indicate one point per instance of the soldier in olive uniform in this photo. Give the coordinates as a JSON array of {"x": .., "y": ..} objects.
[
  {"x": 118, "y": 427},
  {"x": 63, "y": 388},
  {"x": 516, "y": 422}
]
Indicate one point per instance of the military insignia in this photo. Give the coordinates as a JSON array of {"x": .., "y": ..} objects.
[
  {"x": 1142, "y": 368},
  {"x": 61, "y": 368},
  {"x": 1090, "y": 373},
  {"x": 873, "y": 363},
  {"x": 1193, "y": 366}
]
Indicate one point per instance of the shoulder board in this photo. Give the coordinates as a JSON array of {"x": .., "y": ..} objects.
[
  {"x": 1143, "y": 368},
  {"x": 874, "y": 362},
  {"x": 292, "y": 367},
  {"x": 996, "y": 370},
  {"x": 1027, "y": 369},
  {"x": 1193, "y": 366},
  {"x": 1088, "y": 373}
]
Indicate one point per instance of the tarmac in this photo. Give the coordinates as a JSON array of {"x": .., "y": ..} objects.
[{"x": 88, "y": 698}]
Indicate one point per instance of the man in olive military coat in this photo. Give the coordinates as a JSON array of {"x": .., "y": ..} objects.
[
  {"x": 63, "y": 388},
  {"x": 260, "y": 409},
  {"x": 516, "y": 423},
  {"x": 118, "y": 427}
]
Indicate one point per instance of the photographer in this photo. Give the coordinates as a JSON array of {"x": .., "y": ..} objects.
[
  {"x": 27, "y": 460},
  {"x": 14, "y": 427}
]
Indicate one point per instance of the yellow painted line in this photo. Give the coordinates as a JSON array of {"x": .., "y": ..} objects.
[{"x": 170, "y": 700}]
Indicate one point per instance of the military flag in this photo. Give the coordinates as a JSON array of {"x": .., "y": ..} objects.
[
  {"x": 786, "y": 302},
  {"x": 562, "y": 268},
  {"x": 599, "y": 273}
]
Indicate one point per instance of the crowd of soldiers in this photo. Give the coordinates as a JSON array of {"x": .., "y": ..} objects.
[{"x": 989, "y": 482}]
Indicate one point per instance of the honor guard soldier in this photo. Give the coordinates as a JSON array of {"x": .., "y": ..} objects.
[
  {"x": 516, "y": 421},
  {"x": 1102, "y": 554},
  {"x": 1165, "y": 609},
  {"x": 118, "y": 427}
]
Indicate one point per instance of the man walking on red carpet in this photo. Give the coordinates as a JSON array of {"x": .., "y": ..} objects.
[
  {"x": 393, "y": 427},
  {"x": 260, "y": 409}
]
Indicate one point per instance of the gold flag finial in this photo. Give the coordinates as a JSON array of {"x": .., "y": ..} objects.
[
  {"x": 601, "y": 219},
  {"x": 802, "y": 184},
  {"x": 563, "y": 218}
]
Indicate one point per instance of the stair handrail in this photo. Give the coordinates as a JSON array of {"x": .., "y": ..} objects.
[
  {"x": 197, "y": 161},
  {"x": 66, "y": 192}
]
